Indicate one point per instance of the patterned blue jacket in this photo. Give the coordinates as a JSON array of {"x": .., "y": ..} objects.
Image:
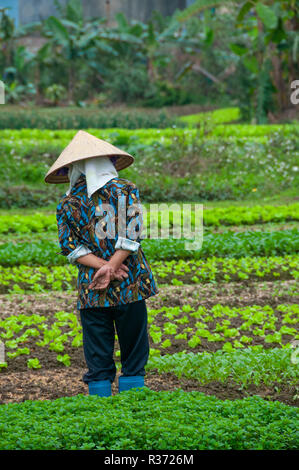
[{"x": 88, "y": 225}]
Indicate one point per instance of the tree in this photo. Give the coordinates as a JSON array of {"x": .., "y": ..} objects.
[{"x": 266, "y": 39}]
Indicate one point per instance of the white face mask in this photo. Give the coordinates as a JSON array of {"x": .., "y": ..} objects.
[{"x": 98, "y": 171}]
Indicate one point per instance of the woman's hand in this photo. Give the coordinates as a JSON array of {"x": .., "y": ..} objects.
[
  {"x": 106, "y": 274},
  {"x": 121, "y": 273},
  {"x": 102, "y": 277}
]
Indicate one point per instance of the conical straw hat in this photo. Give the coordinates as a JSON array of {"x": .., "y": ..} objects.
[{"x": 81, "y": 147}]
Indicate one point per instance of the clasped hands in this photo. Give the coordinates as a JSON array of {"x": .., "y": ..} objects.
[{"x": 108, "y": 273}]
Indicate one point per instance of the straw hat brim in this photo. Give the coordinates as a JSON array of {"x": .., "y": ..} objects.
[{"x": 82, "y": 147}]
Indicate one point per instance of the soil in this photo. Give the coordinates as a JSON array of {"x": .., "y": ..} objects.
[
  {"x": 50, "y": 384},
  {"x": 233, "y": 294}
]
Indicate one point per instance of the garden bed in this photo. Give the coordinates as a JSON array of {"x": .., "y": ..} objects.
[
  {"x": 50, "y": 384},
  {"x": 54, "y": 379}
]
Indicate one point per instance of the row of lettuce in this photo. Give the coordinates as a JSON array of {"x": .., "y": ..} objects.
[
  {"x": 24, "y": 278},
  {"x": 80, "y": 118},
  {"x": 205, "y": 336},
  {"x": 168, "y": 215},
  {"x": 225, "y": 245},
  {"x": 130, "y": 118}
]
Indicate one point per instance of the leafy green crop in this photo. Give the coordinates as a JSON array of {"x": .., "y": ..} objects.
[
  {"x": 149, "y": 420},
  {"x": 23, "y": 278},
  {"x": 213, "y": 325},
  {"x": 40, "y": 223},
  {"x": 33, "y": 363},
  {"x": 252, "y": 365},
  {"x": 227, "y": 245},
  {"x": 47, "y": 335}
]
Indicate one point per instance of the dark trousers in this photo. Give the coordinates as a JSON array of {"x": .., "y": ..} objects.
[{"x": 99, "y": 325}]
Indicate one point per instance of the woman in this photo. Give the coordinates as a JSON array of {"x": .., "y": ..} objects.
[{"x": 99, "y": 228}]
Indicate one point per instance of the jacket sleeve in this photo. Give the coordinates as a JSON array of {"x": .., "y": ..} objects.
[
  {"x": 130, "y": 237},
  {"x": 72, "y": 245}
]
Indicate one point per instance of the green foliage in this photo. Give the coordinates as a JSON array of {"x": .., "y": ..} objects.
[
  {"x": 162, "y": 93},
  {"x": 267, "y": 15},
  {"x": 197, "y": 7},
  {"x": 253, "y": 365},
  {"x": 54, "y": 93},
  {"x": 265, "y": 93},
  {"x": 65, "y": 359},
  {"x": 23, "y": 278},
  {"x": 215, "y": 325},
  {"x": 227, "y": 216},
  {"x": 219, "y": 116},
  {"x": 214, "y": 162},
  {"x": 149, "y": 420},
  {"x": 208, "y": 324},
  {"x": 225, "y": 245},
  {"x": 78, "y": 118},
  {"x": 33, "y": 364},
  {"x": 127, "y": 83},
  {"x": 156, "y": 62},
  {"x": 47, "y": 335}
]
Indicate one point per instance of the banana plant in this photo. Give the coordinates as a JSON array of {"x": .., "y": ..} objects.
[
  {"x": 149, "y": 40},
  {"x": 267, "y": 58},
  {"x": 75, "y": 43},
  {"x": 269, "y": 32}
]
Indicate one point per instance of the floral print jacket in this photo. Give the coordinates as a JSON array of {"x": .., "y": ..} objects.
[{"x": 91, "y": 225}]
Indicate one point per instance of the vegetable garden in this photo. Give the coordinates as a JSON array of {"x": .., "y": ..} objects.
[{"x": 224, "y": 362}]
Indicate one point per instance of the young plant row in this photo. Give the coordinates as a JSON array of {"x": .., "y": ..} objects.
[
  {"x": 253, "y": 365},
  {"x": 79, "y": 118},
  {"x": 32, "y": 151},
  {"x": 235, "y": 130},
  {"x": 18, "y": 332},
  {"x": 224, "y": 245},
  {"x": 218, "y": 116},
  {"x": 164, "y": 216},
  {"x": 75, "y": 118},
  {"x": 183, "y": 328},
  {"x": 22, "y": 278},
  {"x": 223, "y": 327}
]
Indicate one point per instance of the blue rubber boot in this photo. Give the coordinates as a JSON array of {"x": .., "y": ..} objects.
[
  {"x": 102, "y": 388},
  {"x": 128, "y": 382}
]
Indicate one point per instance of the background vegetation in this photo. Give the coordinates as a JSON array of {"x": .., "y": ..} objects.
[{"x": 238, "y": 52}]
